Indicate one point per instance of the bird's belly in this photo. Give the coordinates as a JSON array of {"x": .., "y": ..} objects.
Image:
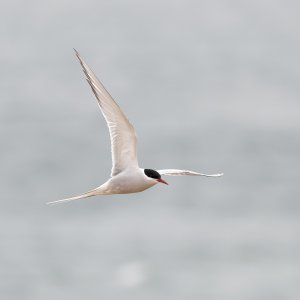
[{"x": 126, "y": 185}]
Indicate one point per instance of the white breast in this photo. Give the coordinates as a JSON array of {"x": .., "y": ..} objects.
[{"x": 130, "y": 181}]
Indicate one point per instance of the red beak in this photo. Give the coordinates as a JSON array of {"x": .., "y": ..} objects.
[{"x": 162, "y": 181}]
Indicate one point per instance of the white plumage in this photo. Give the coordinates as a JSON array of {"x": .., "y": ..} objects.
[{"x": 126, "y": 176}]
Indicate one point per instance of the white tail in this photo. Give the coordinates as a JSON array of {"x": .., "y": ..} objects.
[{"x": 91, "y": 193}]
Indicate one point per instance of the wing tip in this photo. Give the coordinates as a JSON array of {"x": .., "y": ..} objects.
[
  {"x": 217, "y": 175},
  {"x": 211, "y": 175}
]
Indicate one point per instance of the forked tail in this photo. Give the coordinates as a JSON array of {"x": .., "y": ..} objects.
[{"x": 91, "y": 193}]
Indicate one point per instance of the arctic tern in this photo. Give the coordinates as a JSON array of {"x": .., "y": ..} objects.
[{"x": 126, "y": 175}]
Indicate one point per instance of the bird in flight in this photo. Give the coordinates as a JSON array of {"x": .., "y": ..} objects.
[{"x": 126, "y": 175}]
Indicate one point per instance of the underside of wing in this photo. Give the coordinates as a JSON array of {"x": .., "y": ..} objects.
[
  {"x": 175, "y": 172},
  {"x": 122, "y": 133}
]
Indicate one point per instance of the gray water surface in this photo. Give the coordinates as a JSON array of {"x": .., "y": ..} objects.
[{"x": 211, "y": 86}]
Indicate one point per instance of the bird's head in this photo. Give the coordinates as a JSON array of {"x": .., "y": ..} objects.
[{"x": 154, "y": 175}]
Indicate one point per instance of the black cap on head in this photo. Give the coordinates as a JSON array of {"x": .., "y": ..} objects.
[{"x": 152, "y": 173}]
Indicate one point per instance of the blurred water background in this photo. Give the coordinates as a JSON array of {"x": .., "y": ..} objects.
[{"x": 210, "y": 86}]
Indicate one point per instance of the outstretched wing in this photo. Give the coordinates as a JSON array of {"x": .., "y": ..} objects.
[
  {"x": 175, "y": 172},
  {"x": 122, "y": 133}
]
